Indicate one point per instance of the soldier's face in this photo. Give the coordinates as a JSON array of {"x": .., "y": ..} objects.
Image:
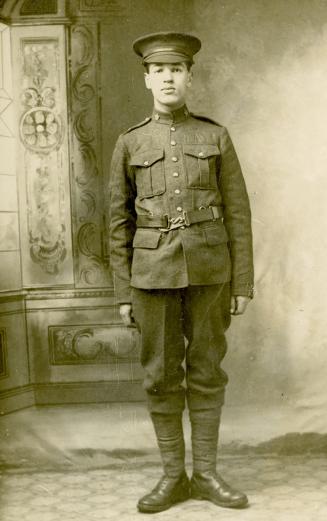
[{"x": 169, "y": 83}]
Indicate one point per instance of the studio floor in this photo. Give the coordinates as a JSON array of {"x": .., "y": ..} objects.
[{"x": 93, "y": 462}]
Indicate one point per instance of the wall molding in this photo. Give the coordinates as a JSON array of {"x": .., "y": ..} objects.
[
  {"x": 70, "y": 393},
  {"x": 50, "y": 293},
  {"x": 3, "y": 354},
  {"x": 53, "y": 293},
  {"x": 16, "y": 399},
  {"x": 88, "y": 392}
]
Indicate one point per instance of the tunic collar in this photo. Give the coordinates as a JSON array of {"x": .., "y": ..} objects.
[{"x": 175, "y": 116}]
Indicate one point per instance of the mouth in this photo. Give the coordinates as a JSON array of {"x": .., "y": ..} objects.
[{"x": 168, "y": 90}]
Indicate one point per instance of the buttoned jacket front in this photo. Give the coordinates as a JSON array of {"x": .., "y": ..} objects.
[{"x": 167, "y": 165}]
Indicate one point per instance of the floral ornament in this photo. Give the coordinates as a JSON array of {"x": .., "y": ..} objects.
[
  {"x": 33, "y": 98},
  {"x": 40, "y": 129}
]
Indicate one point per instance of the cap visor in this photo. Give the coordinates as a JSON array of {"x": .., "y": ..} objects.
[{"x": 167, "y": 58}]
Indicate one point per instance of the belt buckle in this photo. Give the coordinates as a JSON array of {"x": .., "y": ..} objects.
[{"x": 177, "y": 222}]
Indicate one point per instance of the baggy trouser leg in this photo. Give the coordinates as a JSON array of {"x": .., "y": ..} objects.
[
  {"x": 207, "y": 319},
  {"x": 157, "y": 314}
]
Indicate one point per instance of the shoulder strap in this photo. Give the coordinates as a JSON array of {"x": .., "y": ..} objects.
[
  {"x": 138, "y": 125},
  {"x": 204, "y": 118}
]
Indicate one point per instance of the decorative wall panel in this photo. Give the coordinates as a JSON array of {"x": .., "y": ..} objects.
[
  {"x": 92, "y": 344},
  {"x": 32, "y": 7},
  {"x": 47, "y": 257},
  {"x": 111, "y": 6},
  {"x": 87, "y": 189},
  {"x": 5, "y": 82}
]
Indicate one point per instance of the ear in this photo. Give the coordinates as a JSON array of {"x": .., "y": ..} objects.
[
  {"x": 189, "y": 78},
  {"x": 147, "y": 80}
]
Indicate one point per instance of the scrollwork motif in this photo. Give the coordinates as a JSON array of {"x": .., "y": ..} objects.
[
  {"x": 86, "y": 236},
  {"x": 92, "y": 273},
  {"x": 82, "y": 127},
  {"x": 88, "y": 198},
  {"x": 83, "y": 45},
  {"x": 86, "y": 145},
  {"x": 92, "y": 345},
  {"x": 82, "y": 90},
  {"x": 89, "y": 162},
  {"x": 47, "y": 234}
]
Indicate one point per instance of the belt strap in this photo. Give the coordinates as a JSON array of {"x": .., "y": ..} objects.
[{"x": 186, "y": 219}]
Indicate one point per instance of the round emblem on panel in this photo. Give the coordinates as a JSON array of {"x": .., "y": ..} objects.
[{"x": 40, "y": 129}]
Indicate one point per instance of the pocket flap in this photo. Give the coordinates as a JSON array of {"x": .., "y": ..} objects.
[
  {"x": 146, "y": 158},
  {"x": 201, "y": 151},
  {"x": 146, "y": 239},
  {"x": 216, "y": 235}
]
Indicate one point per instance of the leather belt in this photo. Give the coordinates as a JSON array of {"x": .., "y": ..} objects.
[{"x": 164, "y": 223}]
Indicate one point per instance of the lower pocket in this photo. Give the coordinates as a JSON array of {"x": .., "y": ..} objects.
[
  {"x": 215, "y": 234},
  {"x": 146, "y": 238}
]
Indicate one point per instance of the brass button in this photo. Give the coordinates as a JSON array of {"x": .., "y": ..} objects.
[
  {"x": 175, "y": 174},
  {"x": 201, "y": 154},
  {"x": 179, "y": 209},
  {"x": 157, "y": 117},
  {"x": 174, "y": 158},
  {"x": 172, "y": 129},
  {"x": 173, "y": 143},
  {"x": 177, "y": 191},
  {"x": 146, "y": 163}
]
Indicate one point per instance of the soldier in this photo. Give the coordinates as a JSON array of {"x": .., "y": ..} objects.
[{"x": 181, "y": 253}]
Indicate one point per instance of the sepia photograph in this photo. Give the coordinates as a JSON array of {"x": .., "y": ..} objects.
[{"x": 163, "y": 260}]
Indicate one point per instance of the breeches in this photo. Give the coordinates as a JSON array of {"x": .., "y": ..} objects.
[{"x": 182, "y": 345}]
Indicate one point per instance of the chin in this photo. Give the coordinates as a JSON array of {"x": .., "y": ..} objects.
[{"x": 170, "y": 101}]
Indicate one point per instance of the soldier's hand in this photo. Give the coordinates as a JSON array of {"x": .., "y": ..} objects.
[
  {"x": 238, "y": 304},
  {"x": 126, "y": 314}
]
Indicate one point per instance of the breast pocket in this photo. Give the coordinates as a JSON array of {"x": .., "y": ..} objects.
[
  {"x": 201, "y": 163},
  {"x": 149, "y": 172}
]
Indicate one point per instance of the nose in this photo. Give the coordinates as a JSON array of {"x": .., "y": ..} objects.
[{"x": 168, "y": 77}]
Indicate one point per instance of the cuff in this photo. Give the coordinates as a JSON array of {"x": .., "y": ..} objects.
[
  {"x": 122, "y": 291},
  {"x": 243, "y": 290}
]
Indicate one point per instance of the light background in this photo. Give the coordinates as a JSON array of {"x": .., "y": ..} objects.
[{"x": 262, "y": 72}]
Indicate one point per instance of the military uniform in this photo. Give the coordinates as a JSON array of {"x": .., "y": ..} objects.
[{"x": 181, "y": 244}]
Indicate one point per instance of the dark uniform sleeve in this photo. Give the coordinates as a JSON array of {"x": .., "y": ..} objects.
[
  {"x": 237, "y": 218},
  {"x": 122, "y": 221}
]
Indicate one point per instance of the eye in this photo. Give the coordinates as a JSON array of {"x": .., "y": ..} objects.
[{"x": 159, "y": 69}]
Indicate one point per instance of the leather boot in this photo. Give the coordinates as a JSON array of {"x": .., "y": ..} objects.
[
  {"x": 174, "y": 486},
  {"x": 206, "y": 483}
]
